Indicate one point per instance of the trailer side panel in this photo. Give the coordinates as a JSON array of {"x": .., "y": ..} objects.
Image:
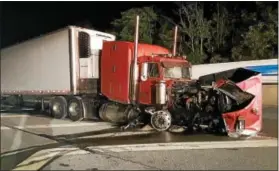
[{"x": 37, "y": 66}]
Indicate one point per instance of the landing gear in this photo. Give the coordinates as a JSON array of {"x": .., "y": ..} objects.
[
  {"x": 58, "y": 107},
  {"x": 75, "y": 109},
  {"x": 161, "y": 120}
]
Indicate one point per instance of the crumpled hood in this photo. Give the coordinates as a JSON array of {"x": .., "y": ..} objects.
[{"x": 233, "y": 91}]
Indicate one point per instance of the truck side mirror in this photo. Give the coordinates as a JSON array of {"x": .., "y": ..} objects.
[{"x": 144, "y": 71}]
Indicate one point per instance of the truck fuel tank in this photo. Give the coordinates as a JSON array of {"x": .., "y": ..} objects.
[{"x": 117, "y": 113}]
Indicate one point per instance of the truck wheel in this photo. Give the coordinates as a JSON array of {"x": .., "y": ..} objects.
[
  {"x": 161, "y": 120},
  {"x": 58, "y": 107},
  {"x": 75, "y": 109}
]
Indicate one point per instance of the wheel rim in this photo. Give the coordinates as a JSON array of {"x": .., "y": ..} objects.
[
  {"x": 57, "y": 108},
  {"x": 74, "y": 109},
  {"x": 161, "y": 120}
]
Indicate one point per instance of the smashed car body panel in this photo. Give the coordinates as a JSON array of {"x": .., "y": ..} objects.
[
  {"x": 247, "y": 118},
  {"x": 252, "y": 113}
]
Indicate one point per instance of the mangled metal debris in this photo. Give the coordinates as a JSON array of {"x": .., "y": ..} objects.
[{"x": 226, "y": 102}]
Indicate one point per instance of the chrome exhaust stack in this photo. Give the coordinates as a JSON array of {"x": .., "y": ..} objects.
[
  {"x": 135, "y": 70},
  {"x": 174, "y": 41}
]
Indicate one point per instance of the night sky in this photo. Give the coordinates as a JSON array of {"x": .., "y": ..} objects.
[{"x": 23, "y": 20}]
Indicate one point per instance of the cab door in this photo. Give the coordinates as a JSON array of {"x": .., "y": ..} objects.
[{"x": 147, "y": 92}]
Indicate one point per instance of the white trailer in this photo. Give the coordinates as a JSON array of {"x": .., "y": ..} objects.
[
  {"x": 64, "y": 63},
  {"x": 56, "y": 63}
]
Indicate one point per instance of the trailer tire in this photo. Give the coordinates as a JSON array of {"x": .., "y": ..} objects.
[
  {"x": 75, "y": 109},
  {"x": 58, "y": 107}
]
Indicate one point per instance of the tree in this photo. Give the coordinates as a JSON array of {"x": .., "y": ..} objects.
[
  {"x": 218, "y": 59},
  {"x": 219, "y": 29},
  {"x": 230, "y": 32},
  {"x": 165, "y": 33},
  {"x": 257, "y": 42},
  {"x": 216, "y": 46},
  {"x": 269, "y": 15},
  {"x": 260, "y": 40},
  {"x": 124, "y": 26},
  {"x": 195, "y": 28}
]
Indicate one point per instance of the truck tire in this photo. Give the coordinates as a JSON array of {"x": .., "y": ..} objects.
[
  {"x": 58, "y": 107},
  {"x": 161, "y": 120},
  {"x": 75, "y": 109}
]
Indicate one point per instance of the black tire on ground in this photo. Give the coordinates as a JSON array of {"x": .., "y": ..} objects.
[
  {"x": 75, "y": 109},
  {"x": 58, "y": 107}
]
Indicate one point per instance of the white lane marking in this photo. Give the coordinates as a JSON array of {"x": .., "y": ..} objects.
[
  {"x": 191, "y": 145},
  {"x": 33, "y": 148},
  {"x": 81, "y": 124},
  {"x": 117, "y": 134},
  {"x": 39, "y": 159},
  {"x": 18, "y": 136},
  {"x": 35, "y": 163},
  {"x": 16, "y": 152},
  {"x": 4, "y": 128}
]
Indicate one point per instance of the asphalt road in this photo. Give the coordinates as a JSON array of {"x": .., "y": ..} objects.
[
  {"x": 31, "y": 140},
  {"x": 209, "y": 159}
]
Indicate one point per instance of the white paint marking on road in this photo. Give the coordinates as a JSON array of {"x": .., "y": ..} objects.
[
  {"x": 33, "y": 148},
  {"x": 39, "y": 159},
  {"x": 81, "y": 124},
  {"x": 191, "y": 145},
  {"x": 161, "y": 146},
  {"x": 16, "y": 152},
  {"x": 122, "y": 134},
  {"x": 4, "y": 128},
  {"x": 117, "y": 134},
  {"x": 35, "y": 163},
  {"x": 18, "y": 136}
]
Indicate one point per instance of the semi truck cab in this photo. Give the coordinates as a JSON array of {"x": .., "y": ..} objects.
[
  {"x": 160, "y": 69},
  {"x": 154, "y": 63}
]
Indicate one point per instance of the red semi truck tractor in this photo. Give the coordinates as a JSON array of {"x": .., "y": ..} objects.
[{"x": 87, "y": 74}]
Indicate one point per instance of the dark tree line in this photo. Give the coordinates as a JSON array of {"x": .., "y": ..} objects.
[{"x": 208, "y": 33}]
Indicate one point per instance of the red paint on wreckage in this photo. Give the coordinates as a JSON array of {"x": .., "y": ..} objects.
[{"x": 252, "y": 113}]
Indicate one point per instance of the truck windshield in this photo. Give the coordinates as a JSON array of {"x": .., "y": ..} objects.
[{"x": 177, "y": 72}]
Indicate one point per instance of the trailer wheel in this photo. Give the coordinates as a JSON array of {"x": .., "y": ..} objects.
[
  {"x": 75, "y": 109},
  {"x": 58, "y": 107}
]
